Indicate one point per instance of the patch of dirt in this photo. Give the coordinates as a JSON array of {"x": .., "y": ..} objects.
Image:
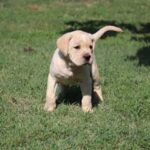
[
  {"x": 37, "y": 7},
  {"x": 29, "y": 49}
]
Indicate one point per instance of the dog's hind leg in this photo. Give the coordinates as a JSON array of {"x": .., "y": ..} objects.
[
  {"x": 96, "y": 80},
  {"x": 62, "y": 90}
]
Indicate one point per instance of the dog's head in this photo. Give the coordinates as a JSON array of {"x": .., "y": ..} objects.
[{"x": 78, "y": 46}]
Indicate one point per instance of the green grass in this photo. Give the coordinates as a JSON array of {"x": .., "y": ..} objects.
[{"x": 121, "y": 122}]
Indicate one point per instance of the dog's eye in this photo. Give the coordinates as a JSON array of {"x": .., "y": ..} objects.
[
  {"x": 77, "y": 47},
  {"x": 90, "y": 46}
]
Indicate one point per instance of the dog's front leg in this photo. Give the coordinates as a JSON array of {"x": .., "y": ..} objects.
[
  {"x": 86, "y": 89},
  {"x": 50, "y": 104}
]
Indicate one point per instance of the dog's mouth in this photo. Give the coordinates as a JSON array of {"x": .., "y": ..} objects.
[
  {"x": 88, "y": 62},
  {"x": 79, "y": 65},
  {"x": 82, "y": 62}
]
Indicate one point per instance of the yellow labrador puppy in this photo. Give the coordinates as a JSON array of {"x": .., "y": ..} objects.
[{"x": 74, "y": 63}]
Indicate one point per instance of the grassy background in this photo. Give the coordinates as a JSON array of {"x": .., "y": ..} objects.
[{"x": 28, "y": 32}]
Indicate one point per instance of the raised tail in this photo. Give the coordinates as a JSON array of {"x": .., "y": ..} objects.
[{"x": 100, "y": 32}]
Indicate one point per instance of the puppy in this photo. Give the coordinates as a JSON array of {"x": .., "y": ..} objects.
[{"x": 74, "y": 63}]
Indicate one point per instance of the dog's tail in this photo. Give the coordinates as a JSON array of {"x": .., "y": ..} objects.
[{"x": 100, "y": 32}]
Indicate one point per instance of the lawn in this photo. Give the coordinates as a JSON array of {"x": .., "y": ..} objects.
[{"x": 28, "y": 33}]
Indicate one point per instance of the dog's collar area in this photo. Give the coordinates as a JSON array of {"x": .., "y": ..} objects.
[{"x": 70, "y": 63}]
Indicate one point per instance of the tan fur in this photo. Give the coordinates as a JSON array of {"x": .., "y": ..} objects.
[
  {"x": 62, "y": 43},
  {"x": 74, "y": 63}
]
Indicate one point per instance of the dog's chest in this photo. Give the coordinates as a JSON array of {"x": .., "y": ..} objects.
[
  {"x": 75, "y": 75},
  {"x": 69, "y": 81},
  {"x": 67, "y": 74}
]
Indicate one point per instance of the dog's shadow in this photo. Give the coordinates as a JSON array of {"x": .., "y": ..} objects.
[
  {"x": 73, "y": 96},
  {"x": 142, "y": 55}
]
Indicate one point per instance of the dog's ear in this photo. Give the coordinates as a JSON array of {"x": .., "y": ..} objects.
[
  {"x": 93, "y": 42},
  {"x": 63, "y": 43},
  {"x": 100, "y": 32}
]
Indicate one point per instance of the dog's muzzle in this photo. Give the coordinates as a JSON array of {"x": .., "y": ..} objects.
[{"x": 87, "y": 57}]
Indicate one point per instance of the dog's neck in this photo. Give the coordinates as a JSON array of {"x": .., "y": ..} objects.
[{"x": 67, "y": 59}]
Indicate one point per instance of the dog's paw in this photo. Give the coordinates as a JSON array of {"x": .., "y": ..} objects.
[
  {"x": 87, "y": 109},
  {"x": 49, "y": 107}
]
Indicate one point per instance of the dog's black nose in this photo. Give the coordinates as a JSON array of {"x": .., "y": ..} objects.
[{"x": 87, "y": 57}]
